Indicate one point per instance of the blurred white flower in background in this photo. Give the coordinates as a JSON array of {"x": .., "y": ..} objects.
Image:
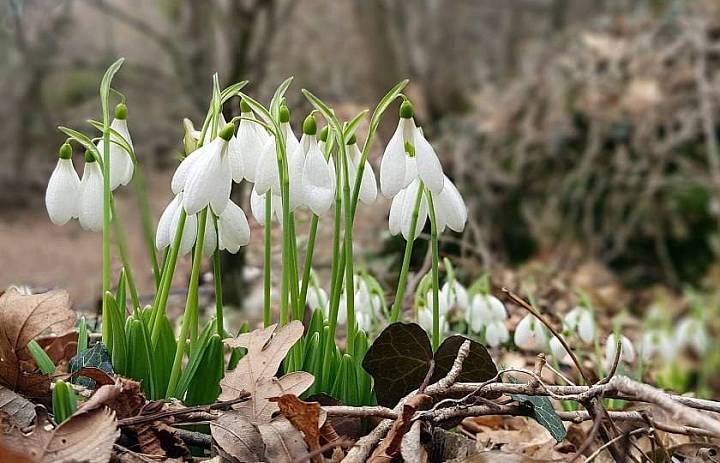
[
  {"x": 530, "y": 334},
  {"x": 627, "y": 350}
]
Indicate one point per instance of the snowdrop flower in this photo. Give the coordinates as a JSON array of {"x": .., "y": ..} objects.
[
  {"x": 251, "y": 139},
  {"x": 558, "y": 351},
  {"x": 91, "y": 195},
  {"x": 408, "y": 156},
  {"x": 368, "y": 183},
  {"x": 691, "y": 332},
  {"x": 296, "y": 165},
  {"x": 444, "y": 302},
  {"x": 317, "y": 298},
  {"x": 486, "y": 311},
  {"x": 450, "y": 209},
  {"x": 627, "y": 351},
  {"x": 368, "y": 306},
  {"x": 425, "y": 320},
  {"x": 402, "y": 208},
  {"x": 530, "y": 334},
  {"x": 580, "y": 320},
  {"x": 233, "y": 230},
  {"x": 656, "y": 342},
  {"x": 167, "y": 227},
  {"x": 121, "y": 164},
  {"x": 205, "y": 176},
  {"x": 257, "y": 207},
  {"x": 62, "y": 197},
  {"x": 318, "y": 175},
  {"x": 457, "y": 295},
  {"x": 267, "y": 176}
]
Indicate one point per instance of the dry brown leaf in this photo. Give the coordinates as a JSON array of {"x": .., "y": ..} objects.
[
  {"x": 283, "y": 443},
  {"x": 159, "y": 439},
  {"x": 237, "y": 438},
  {"x": 305, "y": 416},
  {"x": 389, "y": 448},
  {"x": 124, "y": 397},
  {"x": 266, "y": 348},
  {"x": 86, "y": 437},
  {"x": 17, "y": 410},
  {"x": 23, "y": 318}
]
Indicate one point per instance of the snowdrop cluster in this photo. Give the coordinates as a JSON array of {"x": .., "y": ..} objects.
[
  {"x": 409, "y": 163},
  {"x": 70, "y": 197},
  {"x": 486, "y": 312},
  {"x": 369, "y": 304}
]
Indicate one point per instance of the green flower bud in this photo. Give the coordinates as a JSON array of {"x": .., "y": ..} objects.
[
  {"x": 121, "y": 111},
  {"x": 284, "y": 114},
  {"x": 324, "y": 134},
  {"x": 352, "y": 140},
  {"x": 65, "y": 151},
  {"x": 89, "y": 156},
  {"x": 189, "y": 142},
  {"x": 228, "y": 131},
  {"x": 310, "y": 125},
  {"x": 406, "y": 110},
  {"x": 244, "y": 107}
]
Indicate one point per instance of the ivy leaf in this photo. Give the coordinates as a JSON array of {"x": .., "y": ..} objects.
[
  {"x": 398, "y": 361},
  {"x": 95, "y": 357},
  {"x": 477, "y": 367},
  {"x": 542, "y": 411}
]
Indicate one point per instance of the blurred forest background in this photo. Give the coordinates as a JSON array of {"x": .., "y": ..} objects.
[{"x": 580, "y": 132}]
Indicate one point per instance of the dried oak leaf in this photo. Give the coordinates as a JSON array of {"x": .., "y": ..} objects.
[
  {"x": 23, "y": 318},
  {"x": 85, "y": 437},
  {"x": 305, "y": 416},
  {"x": 255, "y": 372},
  {"x": 125, "y": 397},
  {"x": 160, "y": 440},
  {"x": 389, "y": 449},
  {"x": 15, "y": 409}
]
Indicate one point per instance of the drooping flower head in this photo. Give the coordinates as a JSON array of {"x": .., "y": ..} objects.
[
  {"x": 488, "y": 312},
  {"x": 408, "y": 155},
  {"x": 530, "y": 334},
  {"x": 267, "y": 175},
  {"x": 627, "y": 350},
  {"x": 581, "y": 321},
  {"x": 91, "y": 195},
  {"x": 251, "y": 138},
  {"x": 318, "y": 174},
  {"x": 368, "y": 183},
  {"x": 62, "y": 197},
  {"x": 121, "y": 163}
]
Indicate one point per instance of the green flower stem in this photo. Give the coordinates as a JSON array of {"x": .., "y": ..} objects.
[
  {"x": 402, "y": 282},
  {"x": 217, "y": 276},
  {"x": 191, "y": 306},
  {"x": 435, "y": 274},
  {"x": 122, "y": 248},
  {"x": 166, "y": 280},
  {"x": 267, "y": 271},
  {"x": 298, "y": 308},
  {"x": 146, "y": 219},
  {"x": 307, "y": 266},
  {"x": 107, "y": 196},
  {"x": 349, "y": 286}
]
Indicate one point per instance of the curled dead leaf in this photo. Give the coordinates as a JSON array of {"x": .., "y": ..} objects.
[
  {"x": 305, "y": 416},
  {"x": 125, "y": 397}
]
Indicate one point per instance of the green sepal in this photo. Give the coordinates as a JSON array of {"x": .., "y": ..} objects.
[
  {"x": 89, "y": 156},
  {"x": 121, "y": 111},
  {"x": 284, "y": 114},
  {"x": 406, "y": 110},
  {"x": 65, "y": 151},
  {"x": 44, "y": 363},
  {"x": 310, "y": 125}
]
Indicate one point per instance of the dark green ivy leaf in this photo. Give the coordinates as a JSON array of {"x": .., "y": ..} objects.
[
  {"x": 97, "y": 356},
  {"x": 542, "y": 411},
  {"x": 477, "y": 367}
]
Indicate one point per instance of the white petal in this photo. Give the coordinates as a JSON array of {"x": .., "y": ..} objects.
[
  {"x": 252, "y": 139},
  {"x": 189, "y": 231},
  {"x": 163, "y": 236},
  {"x": 586, "y": 327},
  {"x": 91, "y": 201},
  {"x": 408, "y": 208},
  {"x": 277, "y": 208},
  {"x": 234, "y": 154},
  {"x": 205, "y": 182},
  {"x": 186, "y": 165},
  {"x": 121, "y": 127},
  {"x": 428, "y": 165},
  {"x": 221, "y": 192},
  {"x": 296, "y": 161},
  {"x": 257, "y": 207},
  {"x": 319, "y": 188},
  {"x": 558, "y": 350},
  {"x": 210, "y": 239},
  {"x": 450, "y": 208},
  {"x": 266, "y": 175},
  {"x": 524, "y": 334},
  {"x": 233, "y": 228},
  {"x": 62, "y": 197},
  {"x": 395, "y": 220},
  {"x": 291, "y": 141},
  {"x": 392, "y": 165}
]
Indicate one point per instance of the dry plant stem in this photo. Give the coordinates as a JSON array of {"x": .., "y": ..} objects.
[
  {"x": 364, "y": 446},
  {"x": 134, "y": 420},
  {"x": 612, "y": 441},
  {"x": 518, "y": 300}
]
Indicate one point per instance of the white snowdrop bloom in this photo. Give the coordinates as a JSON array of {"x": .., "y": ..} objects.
[
  {"x": 450, "y": 209},
  {"x": 257, "y": 207},
  {"x": 121, "y": 164},
  {"x": 363, "y": 321},
  {"x": 496, "y": 333},
  {"x": 232, "y": 229},
  {"x": 368, "y": 183},
  {"x": 457, "y": 294},
  {"x": 317, "y": 298},
  {"x": 581, "y": 321},
  {"x": 367, "y": 302},
  {"x": 297, "y": 160},
  {"x": 91, "y": 195},
  {"x": 401, "y": 211},
  {"x": 62, "y": 197},
  {"x": 692, "y": 332},
  {"x": 408, "y": 142},
  {"x": 627, "y": 351},
  {"x": 318, "y": 178},
  {"x": 251, "y": 139},
  {"x": 425, "y": 320},
  {"x": 558, "y": 351},
  {"x": 267, "y": 175},
  {"x": 656, "y": 342},
  {"x": 483, "y": 310},
  {"x": 443, "y": 299},
  {"x": 530, "y": 334},
  {"x": 167, "y": 227},
  {"x": 209, "y": 179}
]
